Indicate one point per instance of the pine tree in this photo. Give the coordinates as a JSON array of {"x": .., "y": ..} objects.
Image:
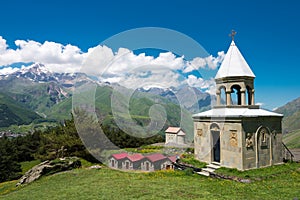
[{"x": 9, "y": 167}]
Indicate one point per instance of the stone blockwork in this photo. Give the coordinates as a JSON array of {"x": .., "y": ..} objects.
[
  {"x": 245, "y": 143},
  {"x": 266, "y": 136}
]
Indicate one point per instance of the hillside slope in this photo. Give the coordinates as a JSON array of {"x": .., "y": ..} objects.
[
  {"x": 12, "y": 112},
  {"x": 140, "y": 105},
  {"x": 113, "y": 184},
  {"x": 292, "y": 139},
  {"x": 50, "y": 95},
  {"x": 291, "y": 112}
]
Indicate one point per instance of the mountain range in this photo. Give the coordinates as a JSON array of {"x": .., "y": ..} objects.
[
  {"x": 40, "y": 94},
  {"x": 38, "y": 89},
  {"x": 34, "y": 93}
]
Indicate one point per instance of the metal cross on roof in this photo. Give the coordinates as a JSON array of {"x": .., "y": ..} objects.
[{"x": 232, "y": 34}]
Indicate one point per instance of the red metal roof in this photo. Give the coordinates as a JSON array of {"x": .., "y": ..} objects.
[
  {"x": 120, "y": 155},
  {"x": 173, "y": 158},
  {"x": 155, "y": 157},
  {"x": 173, "y": 130},
  {"x": 135, "y": 157}
]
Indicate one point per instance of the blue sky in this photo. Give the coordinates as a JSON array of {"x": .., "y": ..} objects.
[{"x": 267, "y": 31}]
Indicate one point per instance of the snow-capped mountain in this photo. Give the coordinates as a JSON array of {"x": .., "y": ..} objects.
[
  {"x": 39, "y": 89},
  {"x": 36, "y": 72},
  {"x": 39, "y": 73},
  {"x": 190, "y": 98}
]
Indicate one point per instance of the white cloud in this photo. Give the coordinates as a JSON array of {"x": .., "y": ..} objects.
[
  {"x": 3, "y": 45},
  {"x": 210, "y": 62},
  {"x": 122, "y": 66},
  {"x": 7, "y": 70},
  {"x": 158, "y": 76},
  {"x": 195, "y": 64},
  {"x": 125, "y": 60},
  {"x": 133, "y": 71},
  {"x": 58, "y": 57},
  {"x": 205, "y": 85},
  {"x": 97, "y": 59}
]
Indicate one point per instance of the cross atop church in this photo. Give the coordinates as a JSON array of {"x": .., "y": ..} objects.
[{"x": 232, "y": 34}]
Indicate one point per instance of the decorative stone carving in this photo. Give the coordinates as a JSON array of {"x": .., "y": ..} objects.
[
  {"x": 249, "y": 141},
  {"x": 233, "y": 138},
  {"x": 199, "y": 132},
  {"x": 263, "y": 135}
]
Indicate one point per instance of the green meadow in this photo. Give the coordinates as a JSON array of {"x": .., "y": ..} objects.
[{"x": 277, "y": 182}]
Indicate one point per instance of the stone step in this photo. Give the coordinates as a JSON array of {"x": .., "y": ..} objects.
[
  {"x": 208, "y": 169},
  {"x": 213, "y": 166},
  {"x": 215, "y": 163},
  {"x": 203, "y": 173}
]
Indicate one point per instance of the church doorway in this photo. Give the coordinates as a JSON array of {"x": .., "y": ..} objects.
[{"x": 215, "y": 133}]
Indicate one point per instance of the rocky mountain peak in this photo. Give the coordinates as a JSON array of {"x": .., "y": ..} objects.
[{"x": 36, "y": 72}]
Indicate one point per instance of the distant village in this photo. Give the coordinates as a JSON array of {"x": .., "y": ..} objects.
[{"x": 9, "y": 134}]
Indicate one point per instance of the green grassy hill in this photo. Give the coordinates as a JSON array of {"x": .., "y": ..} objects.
[
  {"x": 112, "y": 184},
  {"x": 38, "y": 97},
  {"x": 290, "y": 108},
  {"x": 139, "y": 106},
  {"x": 54, "y": 102},
  {"x": 292, "y": 139},
  {"x": 12, "y": 112},
  {"x": 292, "y": 122},
  {"x": 35, "y": 96}
]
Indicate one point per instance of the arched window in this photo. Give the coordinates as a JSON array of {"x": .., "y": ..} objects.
[
  {"x": 222, "y": 95},
  {"x": 263, "y": 135},
  {"x": 236, "y": 99},
  {"x": 249, "y": 94},
  {"x": 214, "y": 127}
]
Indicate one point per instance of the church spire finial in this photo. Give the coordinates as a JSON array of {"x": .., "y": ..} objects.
[{"x": 232, "y": 34}]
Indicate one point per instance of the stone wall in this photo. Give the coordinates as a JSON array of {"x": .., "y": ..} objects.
[
  {"x": 202, "y": 141},
  {"x": 230, "y": 142},
  {"x": 231, "y": 145},
  {"x": 245, "y": 143},
  {"x": 266, "y": 137}
]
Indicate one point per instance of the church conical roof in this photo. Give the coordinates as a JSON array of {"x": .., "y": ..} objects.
[{"x": 234, "y": 64}]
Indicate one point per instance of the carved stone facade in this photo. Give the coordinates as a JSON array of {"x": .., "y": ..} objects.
[
  {"x": 233, "y": 138},
  {"x": 252, "y": 144}
]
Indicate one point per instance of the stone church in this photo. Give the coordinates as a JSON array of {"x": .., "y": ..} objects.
[{"x": 237, "y": 133}]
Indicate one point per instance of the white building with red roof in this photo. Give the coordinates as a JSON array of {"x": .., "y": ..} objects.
[
  {"x": 132, "y": 161},
  {"x": 175, "y": 136},
  {"x": 115, "y": 160},
  {"x": 151, "y": 162},
  {"x": 156, "y": 161}
]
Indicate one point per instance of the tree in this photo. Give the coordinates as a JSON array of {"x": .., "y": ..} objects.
[{"x": 9, "y": 167}]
